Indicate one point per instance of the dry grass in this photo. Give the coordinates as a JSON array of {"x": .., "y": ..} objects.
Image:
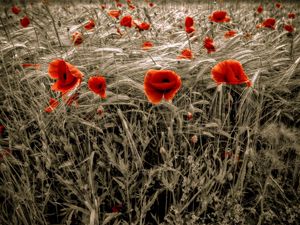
[{"x": 236, "y": 162}]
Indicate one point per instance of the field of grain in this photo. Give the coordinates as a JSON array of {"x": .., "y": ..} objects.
[{"x": 211, "y": 153}]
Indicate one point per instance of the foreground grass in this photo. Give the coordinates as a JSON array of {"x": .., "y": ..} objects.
[{"x": 235, "y": 162}]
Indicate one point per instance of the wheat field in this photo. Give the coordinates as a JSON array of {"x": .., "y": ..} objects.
[{"x": 214, "y": 154}]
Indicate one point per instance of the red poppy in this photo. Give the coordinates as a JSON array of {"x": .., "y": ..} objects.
[
  {"x": 68, "y": 76},
  {"x": 186, "y": 54},
  {"x": 25, "y": 21},
  {"x": 147, "y": 45},
  {"x": 230, "y": 72},
  {"x": 269, "y": 23},
  {"x": 208, "y": 43},
  {"x": 128, "y": 1},
  {"x": 159, "y": 84},
  {"x": 291, "y": 15},
  {"x": 151, "y": 4},
  {"x": 90, "y": 25},
  {"x": 260, "y": 9},
  {"x": 117, "y": 208},
  {"x": 189, "y": 21},
  {"x": 114, "y": 13},
  {"x": 219, "y": 17},
  {"x": 15, "y": 9},
  {"x": 189, "y": 25},
  {"x": 53, "y": 103},
  {"x": 278, "y": 5},
  {"x": 230, "y": 33},
  {"x": 120, "y": 5},
  {"x": 126, "y": 21},
  {"x": 77, "y": 38},
  {"x": 2, "y": 129},
  {"x": 288, "y": 27},
  {"x": 30, "y": 65},
  {"x": 142, "y": 26},
  {"x": 103, "y": 6},
  {"x": 97, "y": 84}
]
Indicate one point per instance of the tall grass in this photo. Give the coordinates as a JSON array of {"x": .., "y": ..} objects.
[{"x": 237, "y": 161}]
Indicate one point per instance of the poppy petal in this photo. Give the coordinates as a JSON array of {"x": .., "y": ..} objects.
[
  {"x": 160, "y": 84},
  {"x": 152, "y": 95},
  {"x": 230, "y": 72},
  {"x": 56, "y": 67},
  {"x": 189, "y": 21},
  {"x": 74, "y": 71},
  {"x": 97, "y": 84}
]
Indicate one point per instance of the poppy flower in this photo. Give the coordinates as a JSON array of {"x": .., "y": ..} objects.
[
  {"x": 128, "y": 1},
  {"x": 97, "y": 84},
  {"x": 142, "y": 26},
  {"x": 269, "y": 23},
  {"x": 291, "y": 15},
  {"x": 288, "y": 28},
  {"x": 219, "y": 17},
  {"x": 15, "y": 10},
  {"x": 189, "y": 25},
  {"x": 25, "y": 21},
  {"x": 159, "y": 84},
  {"x": 77, "y": 38},
  {"x": 186, "y": 54},
  {"x": 147, "y": 45},
  {"x": 114, "y": 13},
  {"x": 230, "y": 72},
  {"x": 189, "y": 30},
  {"x": 260, "y": 9},
  {"x": 68, "y": 76},
  {"x": 189, "y": 21},
  {"x": 151, "y": 4},
  {"x": 2, "y": 129},
  {"x": 90, "y": 25},
  {"x": 120, "y": 5},
  {"x": 53, "y": 103},
  {"x": 30, "y": 65},
  {"x": 278, "y": 5},
  {"x": 117, "y": 208},
  {"x": 230, "y": 33},
  {"x": 208, "y": 43},
  {"x": 126, "y": 21}
]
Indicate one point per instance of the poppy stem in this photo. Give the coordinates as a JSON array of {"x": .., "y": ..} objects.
[
  {"x": 6, "y": 33},
  {"x": 37, "y": 37},
  {"x": 292, "y": 48},
  {"x": 53, "y": 21},
  {"x": 152, "y": 59},
  {"x": 188, "y": 38}
]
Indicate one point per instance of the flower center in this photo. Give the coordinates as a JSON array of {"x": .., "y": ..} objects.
[{"x": 65, "y": 76}]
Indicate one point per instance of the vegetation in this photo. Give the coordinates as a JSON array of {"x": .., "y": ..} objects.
[{"x": 215, "y": 154}]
